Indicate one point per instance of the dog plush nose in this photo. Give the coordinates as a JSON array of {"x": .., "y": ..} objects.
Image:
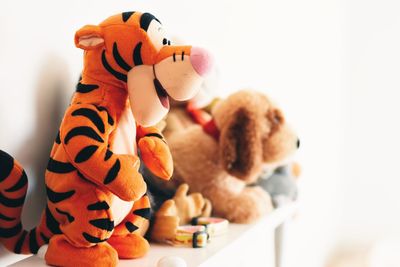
[{"x": 201, "y": 60}]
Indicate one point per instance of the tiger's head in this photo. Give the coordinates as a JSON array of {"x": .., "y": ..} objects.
[{"x": 132, "y": 51}]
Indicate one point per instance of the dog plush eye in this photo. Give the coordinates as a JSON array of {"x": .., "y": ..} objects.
[{"x": 276, "y": 117}]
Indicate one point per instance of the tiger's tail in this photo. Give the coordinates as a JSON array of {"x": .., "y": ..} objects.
[{"x": 13, "y": 188}]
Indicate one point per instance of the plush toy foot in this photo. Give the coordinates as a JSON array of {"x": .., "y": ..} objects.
[
  {"x": 61, "y": 253},
  {"x": 178, "y": 211},
  {"x": 189, "y": 206},
  {"x": 166, "y": 222},
  {"x": 129, "y": 246},
  {"x": 207, "y": 209},
  {"x": 156, "y": 156}
]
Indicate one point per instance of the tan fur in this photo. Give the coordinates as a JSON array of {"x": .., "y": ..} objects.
[
  {"x": 179, "y": 210},
  {"x": 253, "y": 132}
]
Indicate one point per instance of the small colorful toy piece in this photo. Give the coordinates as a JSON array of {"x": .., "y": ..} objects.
[
  {"x": 214, "y": 226},
  {"x": 199, "y": 233},
  {"x": 97, "y": 209},
  {"x": 194, "y": 235}
]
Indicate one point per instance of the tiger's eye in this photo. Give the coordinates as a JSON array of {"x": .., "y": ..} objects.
[{"x": 164, "y": 41}]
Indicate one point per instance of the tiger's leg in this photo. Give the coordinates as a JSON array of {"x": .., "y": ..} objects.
[
  {"x": 86, "y": 225},
  {"x": 130, "y": 246},
  {"x": 127, "y": 238}
]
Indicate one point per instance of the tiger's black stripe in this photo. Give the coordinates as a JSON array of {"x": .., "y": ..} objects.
[
  {"x": 108, "y": 155},
  {"x": 11, "y": 202},
  {"x": 22, "y": 181},
  {"x": 33, "y": 244},
  {"x": 145, "y": 21},
  {"x": 137, "y": 55},
  {"x": 104, "y": 224},
  {"x": 56, "y": 197},
  {"x": 7, "y": 164},
  {"x": 86, "y": 88},
  {"x": 10, "y": 232},
  {"x": 131, "y": 227},
  {"x": 83, "y": 177},
  {"x": 118, "y": 58},
  {"x": 120, "y": 76},
  {"x": 59, "y": 167},
  {"x": 20, "y": 242},
  {"x": 98, "y": 206},
  {"x": 85, "y": 154},
  {"x": 70, "y": 218},
  {"x": 92, "y": 115},
  {"x": 52, "y": 223},
  {"x": 6, "y": 218},
  {"x": 113, "y": 172},
  {"x": 92, "y": 239},
  {"x": 44, "y": 238},
  {"x": 145, "y": 213},
  {"x": 58, "y": 139},
  {"x": 155, "y": 135},
  {"x": 127, "y": 15},
  {"x": 84, "y": 131},
  {"x": 110, "y": 120}
]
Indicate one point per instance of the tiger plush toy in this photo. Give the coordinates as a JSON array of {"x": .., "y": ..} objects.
[{"x": 97, "y": 209}]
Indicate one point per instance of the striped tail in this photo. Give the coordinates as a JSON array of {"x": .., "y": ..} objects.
[{"x": 13, "y": 188}]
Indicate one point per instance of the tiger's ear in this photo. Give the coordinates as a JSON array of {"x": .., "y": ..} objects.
[{"x": 89, "y": 37}]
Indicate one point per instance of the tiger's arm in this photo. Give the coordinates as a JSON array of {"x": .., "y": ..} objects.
[
  {"x": 85, "y": 137},
  {"x": 154, "y": 151}
]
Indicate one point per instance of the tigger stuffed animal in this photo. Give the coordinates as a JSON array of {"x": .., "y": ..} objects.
[{"x": 97, "y": 208}]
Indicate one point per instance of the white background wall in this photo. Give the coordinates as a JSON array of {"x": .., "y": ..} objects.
[
  {"x": 332, "y": 67},
  {"x": 371, "y": 201}
]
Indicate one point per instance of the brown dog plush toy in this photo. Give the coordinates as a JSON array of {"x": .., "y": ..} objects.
[{"x": 223, "y": 156}]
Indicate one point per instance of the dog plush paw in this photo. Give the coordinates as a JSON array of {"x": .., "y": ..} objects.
[{"x": 250, "y": 205}]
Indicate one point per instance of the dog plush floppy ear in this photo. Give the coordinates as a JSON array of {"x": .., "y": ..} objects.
[{"x": 240, "y": 145}]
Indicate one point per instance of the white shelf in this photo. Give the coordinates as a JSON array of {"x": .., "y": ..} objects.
[{"x": 242, "y": 245}]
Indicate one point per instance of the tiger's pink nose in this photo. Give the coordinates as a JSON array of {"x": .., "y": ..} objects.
[{"x": 201, "y": 60}]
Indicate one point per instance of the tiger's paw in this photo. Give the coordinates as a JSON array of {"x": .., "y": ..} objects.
[{"x": 156, "y": 156}]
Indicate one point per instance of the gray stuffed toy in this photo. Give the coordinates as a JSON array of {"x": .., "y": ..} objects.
[{"x": 281, "y": 185}]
